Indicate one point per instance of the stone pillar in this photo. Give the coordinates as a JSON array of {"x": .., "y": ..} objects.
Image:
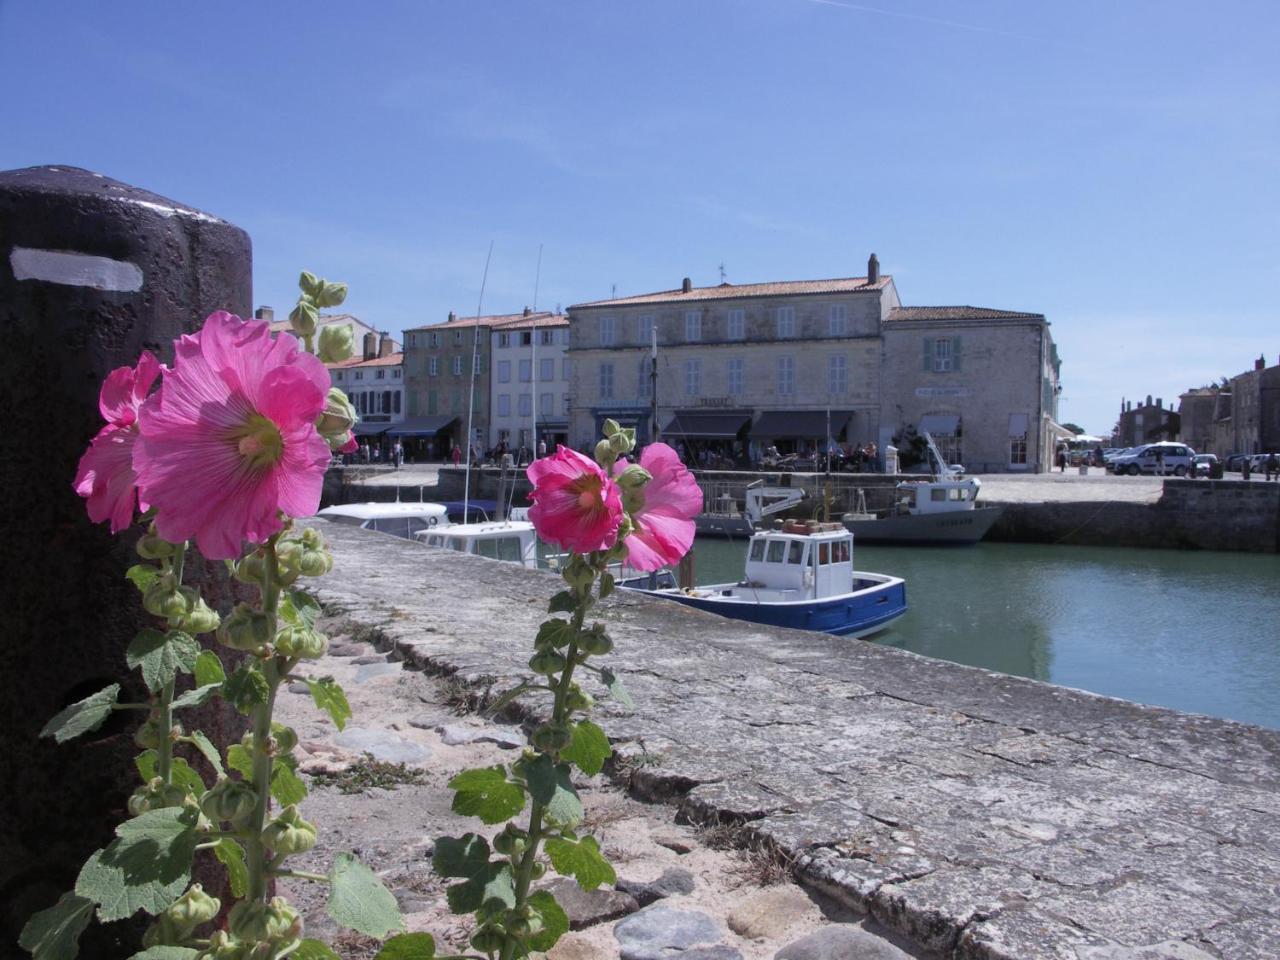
[{"x": 92, "y": 272}]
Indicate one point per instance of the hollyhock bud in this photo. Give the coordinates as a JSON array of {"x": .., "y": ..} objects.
[
  {"x": 151, "y": 547},
  {"x": 163, "y": 598},
  {"x": 310, "y": 284},
  {"x": 596, "y": 642},
  {"x": 338, "y": 415},
  {"x": 297, "y": 640},
  {"x": 201, "y": 619},
  {"x": 547, "y": 663},
  {"x": 552, "y": 737},
  {"x": 337, "y": 343},
  {"x": 273, "y": 922},
  {"x": 231, "y": 800},
  {"x": 193, "y": 908},
  {"x": 303, "y": 319},
  {"x": 604, "y": 453},
  {"x": 512, "y": 841},
  {"x": 249, "y": 569},
  {"x": 154, "y": 796},
  {"x": 578, "y": 699},
  {"x": 245, "y": 628},
  {"x": 315, "y": 563},
  {"x": 622, "y": 441},
  {"x": 288, "y": 833},
  {"x": 286, "y": 738},
  {"x": 633, "y": 477},
  {"x": 149, "y": 735},
  {"x": 332, "y": 294}
]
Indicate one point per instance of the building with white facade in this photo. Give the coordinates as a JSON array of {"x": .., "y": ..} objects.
[
  {"x": 373, "y": 379},
  {"x": 790, "y": 364},
  {"x": 362, "y": 333},
  {"x": 530, "y": 382}
]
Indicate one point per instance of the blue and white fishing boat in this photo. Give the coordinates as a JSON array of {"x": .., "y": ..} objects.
[{"x": 800, "y": 575}]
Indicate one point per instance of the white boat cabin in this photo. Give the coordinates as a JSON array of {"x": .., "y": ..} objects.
[
  {"x": 801, "y": 560},
  {"x": 398, "y": 519},
  {"x": 513, "y": 541},
  {"x": 936, "y": 496}
]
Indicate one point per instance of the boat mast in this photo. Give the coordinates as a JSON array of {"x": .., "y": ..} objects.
[
  {"x": 653, "y": 382},
  {"x": 533, "y": 365},
  {"x": 471, "y": 395}
]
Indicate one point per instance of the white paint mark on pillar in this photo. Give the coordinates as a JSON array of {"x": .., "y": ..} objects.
[{"x": 75, "y": 269}]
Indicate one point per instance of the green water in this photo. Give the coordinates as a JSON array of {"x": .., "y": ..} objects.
[{"x": 1195, "y": 631}]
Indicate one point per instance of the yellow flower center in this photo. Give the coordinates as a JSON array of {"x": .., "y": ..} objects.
[{"x": 259, "y": 442}]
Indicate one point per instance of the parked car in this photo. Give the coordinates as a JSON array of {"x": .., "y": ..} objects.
[
  {"x": 1173, "y": 458},
  {"x": 1202, "y": 464},
  {"x": 1234, "y": 461},
  {"x": 1258, "y": 463}
]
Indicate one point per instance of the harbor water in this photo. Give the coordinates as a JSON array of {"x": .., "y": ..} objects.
[{"x": 1195, "y": 631}]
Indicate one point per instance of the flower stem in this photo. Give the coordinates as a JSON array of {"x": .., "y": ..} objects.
[
  {"x": 164, "y": 752},
  {"x": 255, "y": 852}
]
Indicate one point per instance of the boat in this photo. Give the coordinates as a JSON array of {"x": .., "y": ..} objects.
[
  {"x": 397, "y": 519},
  {"x": 941, "y": 510},
  {"x": 724, "y": 515},
  {"x": 512, "y": 541},
  {"x": 799, "y": 575}
]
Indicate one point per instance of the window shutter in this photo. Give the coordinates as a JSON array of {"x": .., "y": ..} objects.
[
  {"x": 928, "y": 354},
  {"x": 955, "y": 354}
]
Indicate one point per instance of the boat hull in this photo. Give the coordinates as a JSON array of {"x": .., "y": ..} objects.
[
  {"x": 712, "y": 525},
  {"x": 952, "y": 527},
  {"x": 878, "y": 601}
]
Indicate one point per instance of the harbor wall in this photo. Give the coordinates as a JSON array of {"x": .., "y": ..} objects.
[{"x": 979, "y": 815}]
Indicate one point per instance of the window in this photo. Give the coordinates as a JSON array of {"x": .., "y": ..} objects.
[
  {"x": 547, "y": 369},
  {"x": 693, "y": 326},
  {"x": 838, "y": 320},
  {"x": 338, "y": 375},
  {"x": 644, "y": 378},
  {"x": 504, "y": 404},
  {"x": 566, "y": 404},
  {"x": 359, "y": 374},
  {"x": 433, "y": 366},
  {"x": 457, "y": 337},
  {"x": 413, "y": 339},
  {"x": 433, "y": 340},
  {"x": 546, "y": 401},
  {"x": 786, "y": 322},
  {"x": 380, "y": 375},
  {"x": 395, "y": 402},
  {"x": 526, "y": 338},
  {"x": 693, "y": 377},
  {"x": 565, "y": 369},
  {"x": 526, "y": 371},
  {"x": 504, "y": 339},
  {"x": 796, "y": 553},
  {"x": 504, "y": 371},
  {"x": 1018, "y": 423},
  {"x": 644, "y": 329},
  {"x": 396, "y": 373},
  {"x": 386, "y": 401},
  {"x": 786, "y": 376},
  {"x": 431, "y": 401},
  {"x": 777, "y": 551},
  {"x": 457, "y": 365},
  {"x": 757, "y": 550},
  {"x": 608, "y": 331},
  {"x": 737, "y": 324},
  {"x": 837, "y": 374},
  {"x": 941, "y": 354},
  {"x": 526, "y": 404},
  {"x": 548, "y": 337},
  {"x": 733, "y": 376},
  {"x": 606, "y": 381}
]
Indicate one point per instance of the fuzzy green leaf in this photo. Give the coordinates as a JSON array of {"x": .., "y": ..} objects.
[
  {"x": 146, "y": 868},
  {"x": 562, "y": 602},
  {"x": 488, "y": 794},
  {"x": 246, "y": 689},
  {"x": 286, "y": 786},
  {"x": 299, "y": 607},
  {"x": 461, "y": 856},
  {"x": 581, "y": 860},
  {"x": 553, "y": 634},
  {"x": 555, "y": 922},
  {"x": 606, "y": 584},
  {"x": 590, "y": 748},
  {"x": 167, "y": 953},
  {"x": 314, "y": 950},
  {"x": 142, "y": 574},
  {"x": 180, "y": 771},
  {"x": 82, "y": 717},
  {"x": 209, "y": 669},
  {"x": 162, "y": 656},
  {"x": 550, "y": 785},
  {"x": 330, "y": 698},
  {"x": 240, "y": 759},
  {"x": 468, "y": 857},
  {"x": 359, "y": 901},
  {"x": 408, "y": 946},
  {"x": 207, "y": 750},
  {"x": 231, "y": 855},
  {"x": 197, "y": 696},
  {"x": 616, "y": 689},
  {"x": 53, "y": 934}
]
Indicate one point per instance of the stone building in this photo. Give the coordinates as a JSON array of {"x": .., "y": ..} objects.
[
  {"x": 1249, "y": 420},
  {"x": 984, "y": 383},
  {"x": 1146, "y": 423},
  {"x": 374, "y": 381},
  {"x": 530, "y": 382},
  {"x": 1197, "y": 410},
  {"x": 787, "y": 364}
]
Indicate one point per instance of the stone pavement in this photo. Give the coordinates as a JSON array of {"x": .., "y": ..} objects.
[{"x": 979, "y": 815}]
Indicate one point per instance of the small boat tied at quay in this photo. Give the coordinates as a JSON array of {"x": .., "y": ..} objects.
[
  {"x": 800, "y": 575},
  {"x": 940, "y": 510}
]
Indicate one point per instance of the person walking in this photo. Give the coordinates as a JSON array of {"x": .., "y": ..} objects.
[
  {"x": 1062, "y": 459},
  {"x": 1272, "y": 466},
  {"x": 456, "y": 456},
  {"x": 542, "y": 448}
]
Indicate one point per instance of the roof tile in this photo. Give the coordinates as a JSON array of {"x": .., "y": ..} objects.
[{"x": 732, "y": 291}]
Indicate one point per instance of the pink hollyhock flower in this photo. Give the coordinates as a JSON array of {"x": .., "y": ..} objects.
[
  {"x": 663, "y": 525},
  {"x": 229, "y": 441},
  {"x": 575, "y": 503},
  {"x": 105, "y": 476}
]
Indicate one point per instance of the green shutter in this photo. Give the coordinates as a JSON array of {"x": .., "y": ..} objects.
[
  {"x": 928, "y": 354},
  {"x": 955, "y": 354}
]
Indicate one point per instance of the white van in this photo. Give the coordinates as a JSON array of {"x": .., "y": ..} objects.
[{"x": 1165, "y": 458}]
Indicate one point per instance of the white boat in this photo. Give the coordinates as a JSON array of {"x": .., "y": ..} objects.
[
  {"x": 513, "y": 541},
  {"x": 800, "y": 575},
  {"x": 941, "y": 510},
  {"x": 397, "y": 519}
]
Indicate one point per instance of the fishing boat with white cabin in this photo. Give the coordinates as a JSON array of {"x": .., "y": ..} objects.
[{"x": 800, "y": 575}]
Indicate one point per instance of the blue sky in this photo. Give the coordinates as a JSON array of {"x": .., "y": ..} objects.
[{"x": 1110, "y": 163}]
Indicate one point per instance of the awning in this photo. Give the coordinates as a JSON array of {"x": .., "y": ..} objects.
[
  {"x": 943, "y": 424},
  {"x": 800, "y": 424},
  {"x": 366, "y": 429},
  {"x": 421, "y": 426},
  {"x": 701, "y": 425}
]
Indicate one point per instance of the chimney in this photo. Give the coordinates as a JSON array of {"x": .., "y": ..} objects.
[
  {"x": 452, "y": 316},
  {"x": 1148, "y": 399},
  {"x": 264, "y": 313},
  {"x": 386, "y": 346},
  {"x": 873, "y": 270},
  {"x": 1159, "y": 401},
  {"x": 527, "y": 311},
  {"x": 1260, "y": 363},
  {"x": 370, "y": 345},
  {"x": 686, "y": 285}
]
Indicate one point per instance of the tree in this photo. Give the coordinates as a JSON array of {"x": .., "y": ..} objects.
[{"x": 1074, "y": 428}]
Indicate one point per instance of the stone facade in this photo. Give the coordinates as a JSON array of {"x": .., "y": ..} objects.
[
  {"x": 1196, "y": 412},
  {"x": 1254, "y": 423},
  {"x": 530, "y": 382},
  {"x": 1147, "y": 423}
]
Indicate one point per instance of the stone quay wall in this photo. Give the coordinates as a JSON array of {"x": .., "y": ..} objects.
[{"x": 977, "y": 814}]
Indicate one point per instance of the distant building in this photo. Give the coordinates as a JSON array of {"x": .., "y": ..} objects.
[
  {"x": 1251, "y": 421},
  {"x": 361, "y": 331},
  {"x": 1147, "y": 423},
  {"x": 530, "y": 382},
  {"x": 1197, "y": 410},
  {"x": 373, "y": 379}
]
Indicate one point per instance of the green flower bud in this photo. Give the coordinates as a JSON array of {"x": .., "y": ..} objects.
[
  {"x": 231, "y": 800},
  {"x": 633, "y": 477},
  {"x": 512, "y": 841},
  {"x": 150, "y": 735},
  {"x": 488, "y": 939},
  {"x": 332, "y": 294},
  {"x": 222, "y": 947},
  {"x": 578, "y": 574},
  {"x": 245, "y": 628},
  {"x": 578, "y": 699},
  {"x": 163, "y": 598},
  {"x": 605, "y": 454},
  {"x": 155, "y": 795},
  {"x": 286, "y": 738},
  {"x": 310, "y": 284},
  {"x": 303, "y": 319},
  {"x": 296, "y": 640},
  {"x": 610, "y": 428},
  {"x": 548, "y": 663},
  {"x": 315, "y": 563},
  {"x": 337, "y": 343},
  {"x": 596, "y": 642},
  {"x": 539, "y": 868},
  {"x": 338, "y": 415},
  {"x": 619, "y": 443},
  {"x": 193, "y": 908},
  {"x": 288, "y": 833},
  {"x": 552, "y": 737},
  {"x": 249, "y": 569},
  {"x": 274, "y": 922},
  {"x": 152, "y": 547},
  {"x": 201, "y": 619},
  {"x": 312, "y": 539}
]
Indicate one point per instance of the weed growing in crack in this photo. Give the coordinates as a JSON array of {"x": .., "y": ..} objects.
[{"x": 369, "y": 772}]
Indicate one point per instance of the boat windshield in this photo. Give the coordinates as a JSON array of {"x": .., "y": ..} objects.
[
  {"x": 757, "y": 550},
  {"x": 797, "y": 551},
  {"x": 777, "y": 550}
]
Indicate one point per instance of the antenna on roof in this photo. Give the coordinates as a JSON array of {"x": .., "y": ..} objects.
[
  {"x": 537, "y": 276},
  {"x": 613, "y": 291},
  {"x": 722, "y": 273}
]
